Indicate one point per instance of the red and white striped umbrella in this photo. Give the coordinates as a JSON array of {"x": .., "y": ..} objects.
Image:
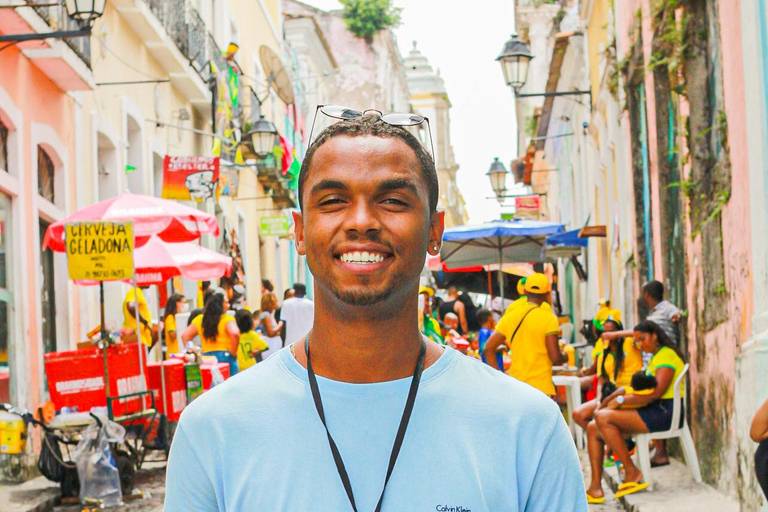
[
  {"x": 157, "y": 261},
  {"x": 169, "y": 220}
]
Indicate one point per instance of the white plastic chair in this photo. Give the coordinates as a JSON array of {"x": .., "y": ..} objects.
[{"x": 684, "y": 433}]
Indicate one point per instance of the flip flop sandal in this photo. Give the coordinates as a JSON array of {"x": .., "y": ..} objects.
[
  {"x": 631, "y": 488},
  {"x": 659, "y": 464},
  {"x": 595, "y": 501}
]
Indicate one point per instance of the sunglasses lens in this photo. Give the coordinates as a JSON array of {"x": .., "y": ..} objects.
[
  {"x": 340, "y": 112},
  {"x": 402, "y": 119}
]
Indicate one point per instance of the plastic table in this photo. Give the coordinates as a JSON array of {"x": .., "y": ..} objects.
[{"x": 572, "y": 385}]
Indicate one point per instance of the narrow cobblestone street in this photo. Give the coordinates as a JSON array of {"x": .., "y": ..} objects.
[
  {"x": 610, "y": 505},
  {"x": 150, "y": 481}
]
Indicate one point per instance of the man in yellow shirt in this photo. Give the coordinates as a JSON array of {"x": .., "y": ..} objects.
[
  {"x": 145, "y": 318},
  {"x": 532, "y": 334},
  {"x": 520, "y": 301}
]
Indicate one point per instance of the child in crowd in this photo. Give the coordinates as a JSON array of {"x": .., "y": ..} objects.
[
  {"x": 474, "y": 346},
  {"x": 251, "y": 344},
  {"x": 485, "y": 319},
  {"x": 641, "y": 384}
]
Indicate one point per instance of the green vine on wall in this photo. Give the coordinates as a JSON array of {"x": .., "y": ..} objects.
[
  {"x": 366, "y": 18},
  {"x": 671, "y": 47},
  {"x": 691, "y": 190}
]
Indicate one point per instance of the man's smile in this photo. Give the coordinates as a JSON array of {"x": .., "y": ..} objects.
[{"x": 362, "y": 259}]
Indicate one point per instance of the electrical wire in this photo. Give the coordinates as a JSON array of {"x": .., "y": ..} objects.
[{"x": 128, "y": 65}]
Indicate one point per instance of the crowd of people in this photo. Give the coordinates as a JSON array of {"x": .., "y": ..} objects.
[
  {"x": 628, "y": 386},
  {"x": 231, "y": 332}
]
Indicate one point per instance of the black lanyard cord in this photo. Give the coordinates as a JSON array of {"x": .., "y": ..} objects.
[{"x": 400, "y": 431}]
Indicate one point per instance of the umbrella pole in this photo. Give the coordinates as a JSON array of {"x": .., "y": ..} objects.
[
  {"x": 501, "y": 274},
  {"x": 104, "y": 338}
]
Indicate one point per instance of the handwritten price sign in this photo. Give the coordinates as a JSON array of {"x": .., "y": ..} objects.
[{"x": 100, "y": 251}]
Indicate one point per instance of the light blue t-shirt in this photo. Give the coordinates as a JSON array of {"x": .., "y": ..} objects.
[{"x": 478, "y": 441}]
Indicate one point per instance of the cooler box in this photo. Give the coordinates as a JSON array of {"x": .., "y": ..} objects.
[
  {"x": 206, "y": 370},
  {"x": 13, "y": 433},
  {"x": 76, "y": 378},
  {"x": 175, "y": 387}
]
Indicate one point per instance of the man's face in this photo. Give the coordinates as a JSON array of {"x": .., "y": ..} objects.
[{"x": 366, "y": 223}]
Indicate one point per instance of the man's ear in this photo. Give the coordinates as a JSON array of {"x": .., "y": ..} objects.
[
  {"x": 298, "y": 233},
  {"x": 436, "y": 228}
]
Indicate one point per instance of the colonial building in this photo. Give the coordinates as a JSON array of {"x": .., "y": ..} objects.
[
  {"x": 86, "y": 119},
  {"x": 430, "y": 99},
  {"x": 666, "y": 156}
]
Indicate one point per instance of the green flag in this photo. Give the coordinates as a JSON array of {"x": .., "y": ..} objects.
[
  {"x": 129, "y": 169},
  {"x": 293, "y": 171}
]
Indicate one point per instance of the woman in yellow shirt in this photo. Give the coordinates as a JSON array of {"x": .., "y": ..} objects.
[
  {"x": 177, "y": 303},
  {"x": 612, "y": 424},
  {"x": 217, "y": 330},
  {"x": 617, "y": 360}
]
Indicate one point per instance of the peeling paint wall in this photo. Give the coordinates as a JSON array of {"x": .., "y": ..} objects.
[{"x": 719, "y": 304}]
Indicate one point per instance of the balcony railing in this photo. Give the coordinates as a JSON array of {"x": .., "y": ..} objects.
[
  {"x": 187, "y": 30},
  {"x": 56, "y": 17}
]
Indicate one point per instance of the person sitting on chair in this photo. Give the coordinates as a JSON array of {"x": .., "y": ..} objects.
[{"x": 614, "y": 420}]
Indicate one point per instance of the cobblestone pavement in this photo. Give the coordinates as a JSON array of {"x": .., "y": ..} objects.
[
  {"x": 150, "y": 480},
  {"x": 610, "y": 505}
]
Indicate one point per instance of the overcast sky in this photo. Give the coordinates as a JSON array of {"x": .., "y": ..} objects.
[{"x": 463, "y": 40}]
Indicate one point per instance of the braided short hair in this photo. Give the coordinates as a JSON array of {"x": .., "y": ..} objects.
[{"x": 371, "y": 124}]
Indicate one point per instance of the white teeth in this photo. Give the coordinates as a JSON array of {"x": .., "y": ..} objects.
[{"x": 361, "y": 257}]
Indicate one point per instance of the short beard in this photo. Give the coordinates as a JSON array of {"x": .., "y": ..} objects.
[{"x": 362, "y": 297}]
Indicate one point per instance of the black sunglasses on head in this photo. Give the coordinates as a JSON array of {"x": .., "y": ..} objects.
[{"x": 393, "y": 119}]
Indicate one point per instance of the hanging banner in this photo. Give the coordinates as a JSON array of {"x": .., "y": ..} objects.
[
  {"x": 190, "y": 177},
  {"x": 274, "y": 225},
  {"x": 229, "y": 181},
  {"x": 527, "y": 207},
  {"x": 100, "y": 251}
]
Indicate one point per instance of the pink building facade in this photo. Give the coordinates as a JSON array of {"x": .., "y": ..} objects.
[
  {"x": 717, "y": 248},
  {"x": 38, "y": 181},
  {"x": 671, "y": 157}
]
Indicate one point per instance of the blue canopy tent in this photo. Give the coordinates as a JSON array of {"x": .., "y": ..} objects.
[
  {"x": 565, "y": 245},
  {"x": 518, "y": 241}
]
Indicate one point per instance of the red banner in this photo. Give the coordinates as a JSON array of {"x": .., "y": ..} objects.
[{"x": 190, "y": 177}]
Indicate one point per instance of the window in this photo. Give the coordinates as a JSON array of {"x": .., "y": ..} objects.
[
  {"x": 47, "y": 294},
  {"x": 45, "y": 175},
  {"x": 3, "y": 147},
  {"x": 6, "y": 317}
]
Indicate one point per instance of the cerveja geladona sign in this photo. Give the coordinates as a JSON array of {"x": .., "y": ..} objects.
[{"x": 100, "y": 251}]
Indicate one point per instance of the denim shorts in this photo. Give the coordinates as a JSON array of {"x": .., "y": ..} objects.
[
  {"x": 658, "y": 415},
  {"x": 225, "y": 357}
]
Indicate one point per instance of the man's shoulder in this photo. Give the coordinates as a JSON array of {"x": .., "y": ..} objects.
[
  {"x": 509, "y": 397},
  {"x": 260, "y": 383}
]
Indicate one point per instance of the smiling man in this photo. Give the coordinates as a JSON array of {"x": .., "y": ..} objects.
[{"x": 364, "y": 414}]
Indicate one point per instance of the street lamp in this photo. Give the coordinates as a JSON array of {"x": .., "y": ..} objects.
[
  {"x": 514, "y": 59},
  {"x": 262, "y": 136},
  {"x": 498, "y": 176},
  {"x": 85, "y": 12}
]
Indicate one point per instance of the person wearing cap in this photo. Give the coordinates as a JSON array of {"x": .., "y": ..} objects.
[
  {"x": 532, "y": 333},
  {"x": 522, "y": 300}
]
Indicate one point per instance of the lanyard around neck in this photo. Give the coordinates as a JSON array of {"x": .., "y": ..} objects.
[{"x": 400, "y": 431}]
